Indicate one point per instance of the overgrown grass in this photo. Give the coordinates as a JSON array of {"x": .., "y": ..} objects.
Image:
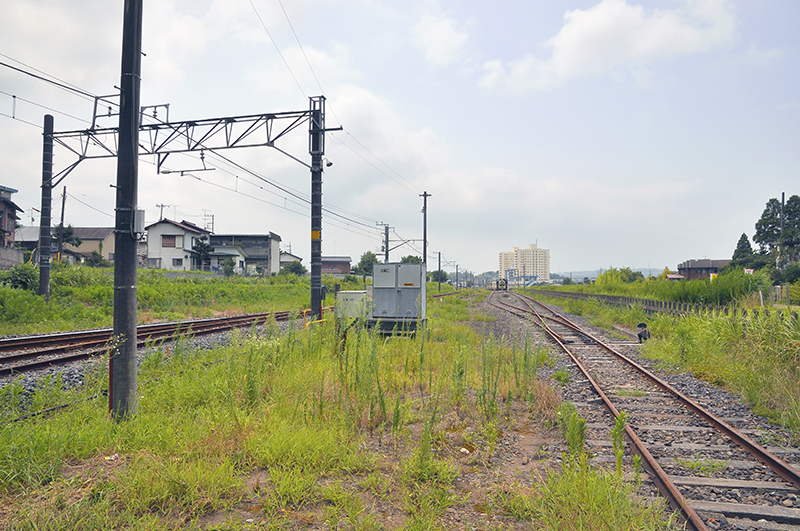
[
  {"x": 731, "y": 287},
  {"x": 278, "y": 423},
  {"x": 757, "y": 359},
  {"x": 82, "y": 297}
]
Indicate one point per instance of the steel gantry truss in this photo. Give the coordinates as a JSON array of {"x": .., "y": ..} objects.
[
  {"x": 164, "y": 138},
  {"x": 210, "y": 134}
]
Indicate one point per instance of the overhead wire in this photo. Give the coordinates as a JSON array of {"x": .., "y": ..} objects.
[
  {"x": 62, "y": 113},
  {"x": 349, "y": 134},
  {"x": 54, "y": 81},
  {"x": 277, "y": 48},
  {"x": 90, "y": 206},
  {"x": 48, "y": 78}
]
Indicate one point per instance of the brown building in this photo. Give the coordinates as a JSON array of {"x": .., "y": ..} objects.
[
  {"x": 336, "y": 265},
  {"x": 701, "y": 269},
  {"x": 8, "y": 216}
]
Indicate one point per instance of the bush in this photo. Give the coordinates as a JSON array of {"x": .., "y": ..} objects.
[{"x": 23, "y": 276}]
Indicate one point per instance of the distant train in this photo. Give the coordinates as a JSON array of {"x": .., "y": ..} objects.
[{"x": 500, "y": 284}]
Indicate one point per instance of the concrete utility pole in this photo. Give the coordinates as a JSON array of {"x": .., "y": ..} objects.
[
  {"x": 316, "y": 130},
  {"x": 425, "y": 195},
  {"x": 47, "y": 202},
  {"x": 386, "y": 243},
  {"x": 61, "y": 234},
  {"x": 439, "y": 272},
  {"x": 122, "y": 392},
  {"x": 457, "y": 276}
]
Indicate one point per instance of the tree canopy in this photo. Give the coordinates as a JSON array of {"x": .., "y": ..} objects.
[
  {"x": 781, "y": 241},
  {"x": 438, "y": 276},
  {"x": 743, "y": 249},
  {"x": 68, "y": 235},
  {"x": 364, "y": 266},
  {"x": 295, "y": 268},
  {"x": 411, "y": 259}
]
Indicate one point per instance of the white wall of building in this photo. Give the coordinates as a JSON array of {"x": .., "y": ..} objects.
[{"x": 526, "y": 262}]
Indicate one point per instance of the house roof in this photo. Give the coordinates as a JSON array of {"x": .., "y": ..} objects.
[
  {"x": 337, "y": 259},
  {"x": 289, "y": 257},
  {"x": 11, "y": 203},
  {"x": 183, "y": 224},
  {"x": 93, "y": 233},
  {"x": 703, "y": 263},
  {"x": 27, "y": 234}
]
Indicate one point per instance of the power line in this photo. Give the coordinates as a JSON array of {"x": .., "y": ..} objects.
[
  {"x": 381, "y": 161},
  {"x": 65, "y": 86},
  {"x": 276, "y": 48},
  {"x": 14, "y": 96},
  {"x": 90, "y": 206},
  {"x": 58, "y": 83}
]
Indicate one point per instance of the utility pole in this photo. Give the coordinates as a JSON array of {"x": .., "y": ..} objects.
[
  {"x": 425, "y": 195},
  {"x": 161, "y": 215},
  {"x": 61, "y": 234},
  {"x": 456, "y": 276},
  {"x": 316, "y": 130},
  {"x": 122, "y": 392},
  {"x": 47, "y": 201},
  {"x": 439, "y": 272},
  {"x": 316, "y": 148},
  {"x": 386, "y": 243}
]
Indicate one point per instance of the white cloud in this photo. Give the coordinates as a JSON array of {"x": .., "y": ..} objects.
[
  {"x": 612, "y": 34},
  {"x": 440, "y": 39}
]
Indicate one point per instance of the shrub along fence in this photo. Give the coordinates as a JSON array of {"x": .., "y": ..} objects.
[{"x": 651, "y": 305}]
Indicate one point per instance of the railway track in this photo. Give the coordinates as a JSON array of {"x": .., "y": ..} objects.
[
  {"x": 30, "y": 353},
  {"x": 709, "y": 468}
]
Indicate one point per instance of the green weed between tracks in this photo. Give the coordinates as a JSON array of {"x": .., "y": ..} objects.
[{"x": 285, "y": 430}]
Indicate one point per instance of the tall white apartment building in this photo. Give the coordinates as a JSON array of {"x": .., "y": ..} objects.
[{"x": 526, "y": 263}]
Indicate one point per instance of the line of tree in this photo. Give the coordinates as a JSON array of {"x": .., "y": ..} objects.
[{"x": 778, "y": 242}]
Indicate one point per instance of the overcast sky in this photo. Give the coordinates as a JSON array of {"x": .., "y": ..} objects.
[{"x": 636, "y": 133}]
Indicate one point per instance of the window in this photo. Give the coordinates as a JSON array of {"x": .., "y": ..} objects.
[
  {"x": 179, "y": 241},
  {"x": 167, "y": 240},
  {"x": 177, "y": 261}
]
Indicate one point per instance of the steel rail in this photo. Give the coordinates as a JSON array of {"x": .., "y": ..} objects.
[
  {"x": 667, "y": 488},
  {"x": 774, "y": 462},
  {"x": 95, "y": 342}
]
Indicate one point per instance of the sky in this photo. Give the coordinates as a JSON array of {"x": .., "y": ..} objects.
[{"x": 615, "y": 133}]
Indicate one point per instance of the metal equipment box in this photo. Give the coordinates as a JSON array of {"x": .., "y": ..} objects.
[
  {"x": 353, "y": 305},
  {"x": 398, "y": 293}
]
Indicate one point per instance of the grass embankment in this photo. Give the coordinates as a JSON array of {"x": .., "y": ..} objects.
[
  {"x": 733, "y": 287},
  {"x": 757, "y": 359},
  {"x": 295, "y": 429},
  {"x": 82, "y": 297}
]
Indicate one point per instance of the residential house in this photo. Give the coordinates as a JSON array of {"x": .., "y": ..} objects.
[
  {"x": 257, "y": 254},
  {"x": 170, "y": 245},
  {"x": 701, "y": 269},
  {"x": 93, "y": 239},
  {"x": 9, "y": 255},
  {"x": 8, "y": 216},
  {"x": 288, "y": 258},
  {"x": 336, "y": 265}
]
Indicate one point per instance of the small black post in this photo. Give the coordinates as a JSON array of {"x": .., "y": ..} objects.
[
  {"x": 47, "y": 201},
  {"x": 123, "y": 367},
  {"x": 439, "y": 272}
]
